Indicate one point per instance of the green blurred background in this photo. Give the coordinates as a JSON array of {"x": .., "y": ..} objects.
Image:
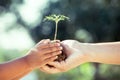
[{"x": 22, "y": 26}]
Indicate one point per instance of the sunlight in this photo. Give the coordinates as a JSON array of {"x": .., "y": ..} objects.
[
  {"x": 31, "y": 11},
  {"x": 16, "y": 39}
]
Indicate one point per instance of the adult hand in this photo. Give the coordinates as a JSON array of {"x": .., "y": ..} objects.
[{"x": 75, "y": 56}]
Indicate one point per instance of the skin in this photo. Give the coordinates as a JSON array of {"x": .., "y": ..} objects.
[
  {"x": 79, "y": 53},
  {"x": 38, "y": 56}
]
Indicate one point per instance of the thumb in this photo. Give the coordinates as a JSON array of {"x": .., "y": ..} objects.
[
  {"x": 55, "y": 64},
  {"x": 50, "y": 70},
  {"x": 59, "y": 65}
]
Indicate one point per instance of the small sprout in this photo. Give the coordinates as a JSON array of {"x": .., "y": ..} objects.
[{"x": 56, "y": 19}]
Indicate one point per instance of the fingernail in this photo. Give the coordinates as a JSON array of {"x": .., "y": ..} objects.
[
  {"x": 61, "y": 48},
  {"x": 60, "y": 52},
  {"x": 56, "y": 56},
  {"x": 48, "y": 39},
  {"x": 57, "y": 44}
]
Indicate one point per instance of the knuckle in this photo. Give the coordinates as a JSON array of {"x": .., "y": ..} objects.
[
  {"x": 52, "y": 58},
  {"x": 57, "y": 48},
  {"x": 51, "y": 54},
  {"x": 39, "y": 46},
  {"x": 33, "y": 50},
  {"x": 51, "y": 49},
  {"x": 49, "y": 45}
]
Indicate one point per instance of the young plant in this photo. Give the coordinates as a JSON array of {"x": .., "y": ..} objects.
[{"x": 57, "y": 19}]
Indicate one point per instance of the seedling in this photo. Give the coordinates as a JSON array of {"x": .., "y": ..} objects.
[{"x": 57, "y": 19}]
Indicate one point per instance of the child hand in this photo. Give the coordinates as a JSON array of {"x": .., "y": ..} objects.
[{"x": 43, "y": 53}]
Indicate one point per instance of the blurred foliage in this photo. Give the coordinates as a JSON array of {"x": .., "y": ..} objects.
[
  {"x": 110, "y": 72},
  {"x": 91, "y": 21}
]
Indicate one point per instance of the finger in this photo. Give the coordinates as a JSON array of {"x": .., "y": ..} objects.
[
  {"x": 44, "y": 41},
  {"x": 58, "y": 41},
  {"x": 59, "y": 65},
  {"x": 51, "y": 70},
  {"x": 50, "y": 59},
  {"x": 55, "y": 41},
  {"x": 51, "y": 50},
  {"x": 42, "y": 46},
  {"x": 67, "y": 49},
  {"x": 52, "y": 54},
  {"x": 55, "y": 64},
  {"x": 47, "y": 41}
]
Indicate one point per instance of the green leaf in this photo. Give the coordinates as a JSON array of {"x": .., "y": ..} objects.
[{"x": 56, "y": 18}]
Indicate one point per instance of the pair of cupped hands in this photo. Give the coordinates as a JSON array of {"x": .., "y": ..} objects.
[
  {"x": 74, "y": 57},
  {"x": 71, "y": 48}
]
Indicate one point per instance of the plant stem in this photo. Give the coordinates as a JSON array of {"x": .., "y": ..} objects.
[{"x": 56, "y": 28}]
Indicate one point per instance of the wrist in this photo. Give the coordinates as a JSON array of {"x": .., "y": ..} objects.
[
  {"x": 28, "y": 63},
  {"x": 87, "y": 50}
]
